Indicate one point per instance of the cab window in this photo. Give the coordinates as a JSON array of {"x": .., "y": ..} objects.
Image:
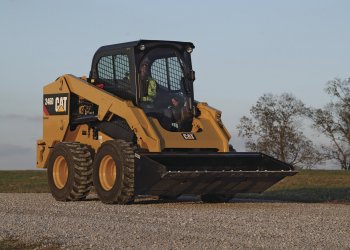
[{"x": 114, "y": 72}]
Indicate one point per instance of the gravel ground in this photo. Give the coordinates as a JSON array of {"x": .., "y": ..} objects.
[{"x": 188, "y": 224}]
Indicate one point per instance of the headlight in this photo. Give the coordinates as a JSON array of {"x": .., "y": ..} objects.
[
  {"x": 189, "y": 49},
  {"x": 218, "y": 119},
  {"x": 142, "y": 47}
]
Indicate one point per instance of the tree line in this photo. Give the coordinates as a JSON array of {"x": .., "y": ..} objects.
[{"x": 275, "y": 127}]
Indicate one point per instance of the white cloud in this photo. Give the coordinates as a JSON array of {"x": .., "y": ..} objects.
[
  {"x": 21, "y": 117},
  {"x": 16, "y": 157},
  {"x": 10, "y": 150}
]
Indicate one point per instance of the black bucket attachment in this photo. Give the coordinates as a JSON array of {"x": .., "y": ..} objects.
[{"x": 175, "y": 174}]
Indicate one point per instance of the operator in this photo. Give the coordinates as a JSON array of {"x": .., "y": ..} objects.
[
  {"x": 175, "y": 108},
  {"x": 172, "y": 115},
  {"x": 151, "y": 85}
]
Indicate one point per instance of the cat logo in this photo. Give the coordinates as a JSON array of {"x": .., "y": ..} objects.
[
  {"x": 61, "y": 104},
  {"x": 188, "y": 136},
  {"x": 56, "y": 104}
]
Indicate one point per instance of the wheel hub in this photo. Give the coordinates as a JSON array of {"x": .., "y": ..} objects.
[
  {"x": 60, "y": 172},
  {"x": 107, "y": 172}
]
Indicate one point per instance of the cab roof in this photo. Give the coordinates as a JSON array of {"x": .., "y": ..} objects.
[{"x": 134, "y": 44}]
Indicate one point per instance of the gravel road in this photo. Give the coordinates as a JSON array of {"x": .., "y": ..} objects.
[{"x": 188, "y": 224}]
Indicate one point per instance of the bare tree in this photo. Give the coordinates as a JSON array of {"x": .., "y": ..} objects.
[
  {"x": 333, "y": 121},
  {"x": 275, "y": 129}
]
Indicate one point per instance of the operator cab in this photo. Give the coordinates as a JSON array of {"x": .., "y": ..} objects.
[{"x": 155, "y": 75}]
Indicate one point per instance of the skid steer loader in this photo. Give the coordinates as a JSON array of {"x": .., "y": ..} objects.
[{"x": 133, "y": 128}]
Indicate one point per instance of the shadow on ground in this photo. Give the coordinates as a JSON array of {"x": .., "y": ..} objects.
[{"x": 305, "y": 195}]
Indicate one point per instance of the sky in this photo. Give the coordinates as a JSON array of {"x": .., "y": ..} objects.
[{"x": 243, "y": 50}]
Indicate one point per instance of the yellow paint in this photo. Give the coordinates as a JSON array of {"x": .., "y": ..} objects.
[{"x": 207, "y": 128}]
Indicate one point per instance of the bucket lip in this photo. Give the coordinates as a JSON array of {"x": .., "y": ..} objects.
[
  {"x": 288, "y": 172},
  {"x": 203, "y": 154},
  {"x": 231, "y": 174},
  {"x": 237, "y": 155}
]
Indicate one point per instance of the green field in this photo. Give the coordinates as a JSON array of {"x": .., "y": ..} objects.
[
  {"x": 12, "y": 244},
  {"x": 307, "y": 186},
  {"x": 28, "y": 181}
]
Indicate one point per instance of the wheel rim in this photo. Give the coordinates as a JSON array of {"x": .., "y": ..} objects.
[
  {"x": 60, "y": 172},
  {"x": 107, "y": 172}
]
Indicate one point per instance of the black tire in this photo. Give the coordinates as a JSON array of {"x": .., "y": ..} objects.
[
  {"x": 114, "y": 173},
  {"x": 231, "y": 149},
  {"x": 92, "y": 152},
  {"x": 215, "y": 198},
  {"x": 69, "y": 171}
]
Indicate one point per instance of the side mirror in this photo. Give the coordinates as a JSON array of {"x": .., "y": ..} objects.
[{"x": 191, "y": 75}]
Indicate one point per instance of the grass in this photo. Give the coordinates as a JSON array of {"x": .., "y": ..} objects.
[
  {"x": 29, "y": 181},
  {"x": 309, "y": 186},
  {"x": 306, "y": 186},
  {"x": 12, "y": 244}
]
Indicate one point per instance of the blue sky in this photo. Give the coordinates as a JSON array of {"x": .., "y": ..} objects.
[{"x": 243, "y": 50}]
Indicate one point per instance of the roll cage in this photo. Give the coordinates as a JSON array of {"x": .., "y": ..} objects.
[{"x": 118, "y": 66}]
